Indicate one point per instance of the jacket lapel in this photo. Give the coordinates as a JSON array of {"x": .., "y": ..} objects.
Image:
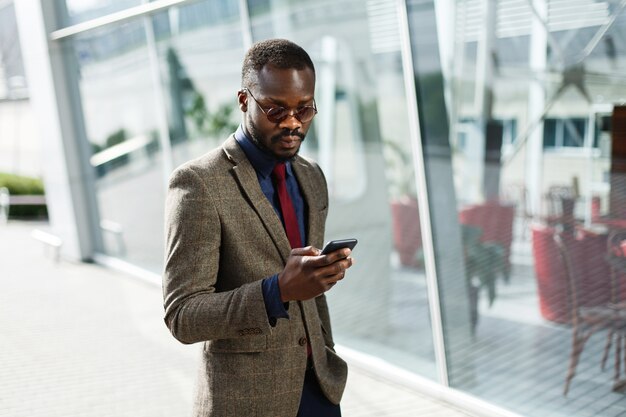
[
  {"x": 313, "y": 199},
  {"x": 246, "y": 177}
]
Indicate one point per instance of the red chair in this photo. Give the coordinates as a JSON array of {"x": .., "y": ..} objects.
[
  {"x": 588, "y": 253},
  {"x": 407, "y": 234},
  {"x": 496, "y": 222},
  {"x": 586, "y": 320},
  {"x": 552, "y": 286},
  {"x": 616, "y": 256}
]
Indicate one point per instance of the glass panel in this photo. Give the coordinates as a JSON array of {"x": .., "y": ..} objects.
[
  {"x": 12, "y": 79},
  {"x": 77, "y": 11},
  {"x": 360, "y": 137},
  {"x": 574, "y": 132},
  {"x": 200, "y": 80},
  {"x": 534, "y": 224},
  {"x": 456, "y": 299},
  {"x": 200, "y": 48},
  {"x": 549, "y": 133},
  {"x": 121, "y": 124}
]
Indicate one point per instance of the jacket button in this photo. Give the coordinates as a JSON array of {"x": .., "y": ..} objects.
[{"x": 302, "y": 341}]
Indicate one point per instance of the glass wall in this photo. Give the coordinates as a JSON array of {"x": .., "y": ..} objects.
[
  {"x": 360, "y": 137},
  {"x": 77, "y": 11},
  {"x": 521, "y": 138},
  {"x": 12, "y": 80},
  {"x": 155, "y": 91},
  {"x": 121, "y": 124},
  {"x": 200, "y": 48}
]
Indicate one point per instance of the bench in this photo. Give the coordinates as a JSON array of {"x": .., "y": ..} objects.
[
  {"x": 50, "y": 240},
  {"x": 7, "y": 200},
  {"x": 116, "y": 230},
  {"x": 27, "y": 200}
]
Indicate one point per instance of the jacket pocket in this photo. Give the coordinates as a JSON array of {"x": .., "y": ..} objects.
[{"x": 237, "y": 345}]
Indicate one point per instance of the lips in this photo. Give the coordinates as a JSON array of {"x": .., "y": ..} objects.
[
  {"x": 290, "y": 139},
  {"x": 289, "y": 144}
]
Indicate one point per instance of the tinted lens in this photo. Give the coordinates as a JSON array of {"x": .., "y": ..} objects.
[
  {"x": 305, "y": 114},
  {"x": 277, "y": 114}
]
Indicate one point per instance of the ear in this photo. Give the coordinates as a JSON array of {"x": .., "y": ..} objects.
[{"x": 242, "y": 99}]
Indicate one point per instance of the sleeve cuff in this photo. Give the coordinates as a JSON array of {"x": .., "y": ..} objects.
[{"x": 274, "y": 307}]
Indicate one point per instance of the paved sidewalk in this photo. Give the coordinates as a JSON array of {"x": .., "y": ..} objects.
[{"x": 82, "y": 340}]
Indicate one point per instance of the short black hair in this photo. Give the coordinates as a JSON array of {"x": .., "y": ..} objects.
[{"x": 280, "y": 53}]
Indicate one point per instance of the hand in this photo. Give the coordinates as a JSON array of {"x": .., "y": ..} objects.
[{"x": 309, "y": 274}]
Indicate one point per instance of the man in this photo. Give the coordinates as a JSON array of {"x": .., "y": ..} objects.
[{"x": 243, "y": 273}]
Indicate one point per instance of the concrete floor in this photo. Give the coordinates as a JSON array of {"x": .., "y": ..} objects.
[{"x": 82, "y": 340}]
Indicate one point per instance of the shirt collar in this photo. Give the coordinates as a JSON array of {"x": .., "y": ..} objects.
[{"x": 262, "y": 163}]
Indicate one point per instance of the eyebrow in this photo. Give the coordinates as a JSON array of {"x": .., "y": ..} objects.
[{"x": 282, "y": 103}]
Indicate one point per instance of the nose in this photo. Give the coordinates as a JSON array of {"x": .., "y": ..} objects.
[{"x": 291, "y": 122}]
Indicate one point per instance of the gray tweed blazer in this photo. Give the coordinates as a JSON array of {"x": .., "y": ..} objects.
[{"x": 222, "y": 238}]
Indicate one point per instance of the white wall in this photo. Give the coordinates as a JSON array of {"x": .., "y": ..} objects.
[{"x": 20, "y": 150}]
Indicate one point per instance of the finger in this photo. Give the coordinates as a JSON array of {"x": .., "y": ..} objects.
[
  {"x": 332, "y": 280},
  {"x": 330, "y": 284},
  {"x": 335, "y": 256},
  {"x": 349, "y": 262},
  {"x": 333, "y": 269},
  {"x": 341, "y": 253},
  {"x": 306, "y": 251},
  {"x": 323, "y": 260},
  {"x": 338, "y": 276}
]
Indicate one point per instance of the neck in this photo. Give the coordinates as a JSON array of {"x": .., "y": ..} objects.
[{"x": 262, "y": 147}]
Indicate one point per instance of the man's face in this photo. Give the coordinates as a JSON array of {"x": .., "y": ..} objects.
[{"x": 289, "y": 88}]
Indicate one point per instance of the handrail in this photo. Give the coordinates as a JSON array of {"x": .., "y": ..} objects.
[
  {"x": 27, "y": 200},
  {"x": 115, "y": 17},
  {"x": 121, "y": 149}
]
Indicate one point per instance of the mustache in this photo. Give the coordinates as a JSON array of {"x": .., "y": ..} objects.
[{"x": 286, "y": 133}]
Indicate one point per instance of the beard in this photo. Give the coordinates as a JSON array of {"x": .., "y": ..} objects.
[{"x": 259, "y": 141}]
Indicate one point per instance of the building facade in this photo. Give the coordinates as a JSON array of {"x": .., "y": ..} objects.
[{"x": 458, "y": 138}]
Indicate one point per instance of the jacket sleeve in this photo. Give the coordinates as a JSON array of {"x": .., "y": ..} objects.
[{"x": 194, "y": 311}]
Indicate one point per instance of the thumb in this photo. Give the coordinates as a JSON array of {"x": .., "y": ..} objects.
[{"x": 306, "y": 251}]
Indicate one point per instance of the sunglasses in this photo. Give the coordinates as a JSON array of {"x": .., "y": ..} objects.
[{"x": 277, "y": 114}]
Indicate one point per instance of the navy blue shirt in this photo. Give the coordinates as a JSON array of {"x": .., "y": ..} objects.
[{"x": 263, "y": 164}]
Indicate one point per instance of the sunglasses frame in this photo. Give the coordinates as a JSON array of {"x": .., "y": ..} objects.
[{"x": 288, "y": 112}]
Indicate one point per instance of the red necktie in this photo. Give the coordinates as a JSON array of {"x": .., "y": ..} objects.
[
  {"x": 289, "y": 215},
  {"x": 286, "y": 206}
]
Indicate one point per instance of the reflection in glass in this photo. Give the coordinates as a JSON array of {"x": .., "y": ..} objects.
[
  {"x": 200, "y": 47},
  {"x": 118, "y": 96},
  {"x": 77, "y": 11},
  {"x": 123, "y": 107},
  {"x": 360, "y": 138},
  {"x": 535, "y": 212}
]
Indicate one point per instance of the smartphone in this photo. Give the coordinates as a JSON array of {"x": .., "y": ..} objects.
[{"x": 334, "y": 245}]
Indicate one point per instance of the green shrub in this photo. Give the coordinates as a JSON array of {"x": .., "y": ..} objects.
[{"x": 20, "y": 185}]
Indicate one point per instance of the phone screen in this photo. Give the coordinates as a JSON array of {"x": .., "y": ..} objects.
[{"x": 334, "y": 245}]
